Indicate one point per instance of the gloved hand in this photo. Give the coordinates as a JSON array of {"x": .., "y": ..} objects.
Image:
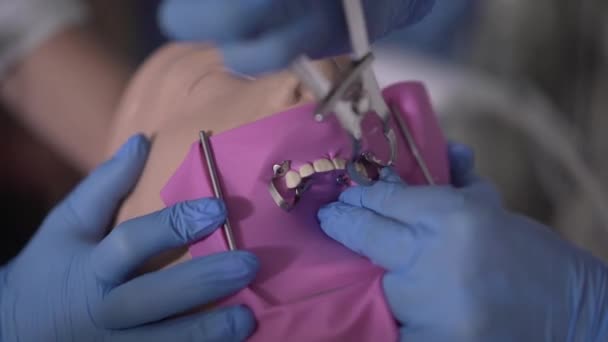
[
  {"x": 460, "y": 267},
  {"x": 72, "y": 284},
  {"x": 264, "y": 35}
]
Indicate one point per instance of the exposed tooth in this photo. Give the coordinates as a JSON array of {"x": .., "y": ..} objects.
[
  {"x": 339, "y": 164},
  {"x": 306, "y": 171},
  {"x": 323, "y": 165},
  {"x": 292, "y": 179}
]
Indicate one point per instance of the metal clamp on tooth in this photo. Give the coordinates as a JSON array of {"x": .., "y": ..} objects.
[{"x": 285, "y": 198}]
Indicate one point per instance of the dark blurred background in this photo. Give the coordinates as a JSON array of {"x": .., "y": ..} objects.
[
  {"x": 487, "y": 64},
  {"x": 33, "y": 178}
]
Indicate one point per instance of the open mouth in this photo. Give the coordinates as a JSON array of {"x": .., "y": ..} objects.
[{"x": 292, "y": 180}]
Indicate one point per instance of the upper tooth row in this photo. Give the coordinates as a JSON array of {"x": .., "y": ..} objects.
[{"x": 293, "y": 179}]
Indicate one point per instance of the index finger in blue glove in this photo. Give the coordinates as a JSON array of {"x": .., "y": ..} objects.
[
  {"x": 277, "y": 48},
  {"x": 403, "y": 203},
  {"x": 135, "y": 241},
  {"x": 240, "y": 21},
  {"x": 176, "y": 289},
  {"x": 91, "y": 206},
  {"x": 386, "y": 242},
  {"x": 212, "y": 20}
]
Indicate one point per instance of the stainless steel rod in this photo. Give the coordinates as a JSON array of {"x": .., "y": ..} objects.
[{"x": 217, "y": 189}]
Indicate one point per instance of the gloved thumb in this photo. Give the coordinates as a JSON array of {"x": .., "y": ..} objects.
[
  {"x": 90, "y": 208},
  {"x": 389, "y": 175},
  {"x": 465, "y": 177},
  {"x": 462, "y": 165}
]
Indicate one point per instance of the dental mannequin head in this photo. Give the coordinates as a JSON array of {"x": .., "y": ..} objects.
[
  {"x": 306, "y": 280},
  {"x": 181, "y": 90}
]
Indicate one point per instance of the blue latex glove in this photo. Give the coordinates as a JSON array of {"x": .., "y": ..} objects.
[
  {"x": 443, "y": 33},
  {"x": 460, "y": 267},
  {"x": 72, "y": 284},
  {"x": 264, "y": 35}
]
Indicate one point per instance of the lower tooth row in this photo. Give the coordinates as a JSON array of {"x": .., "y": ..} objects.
[{"x": 293, "y": 179}]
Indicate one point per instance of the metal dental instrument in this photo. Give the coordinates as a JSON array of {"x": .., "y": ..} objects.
[
  {"x": 287, "y": 201},
  {"x": 215, "y": 182},
  {"x": 357, "y": 93}
]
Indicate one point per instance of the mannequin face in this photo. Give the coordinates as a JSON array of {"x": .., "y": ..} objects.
[{"x": 184, "y": 89}]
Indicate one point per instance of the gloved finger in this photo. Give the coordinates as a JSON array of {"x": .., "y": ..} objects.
[
  {"x": 389, "y": 175},
  {"x": 402, "y": 203},
  {"x": 220, "y": 21},
  {"x": 135, "y": 241},
  {"x": 90, "y": 208},
  {"x": 402, "y": 294},
  {"x": 462, "y": 164},
  {"x": 385, "y": 242},
  {"x": 158, "y": 295},
  {"x": 277, "y": 49},
  {"x": 484, "y": 191},
  {"x": 232, "y": 324}
]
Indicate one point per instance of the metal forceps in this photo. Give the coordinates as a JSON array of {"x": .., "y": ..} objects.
[{"x": 356, "y": 94}]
